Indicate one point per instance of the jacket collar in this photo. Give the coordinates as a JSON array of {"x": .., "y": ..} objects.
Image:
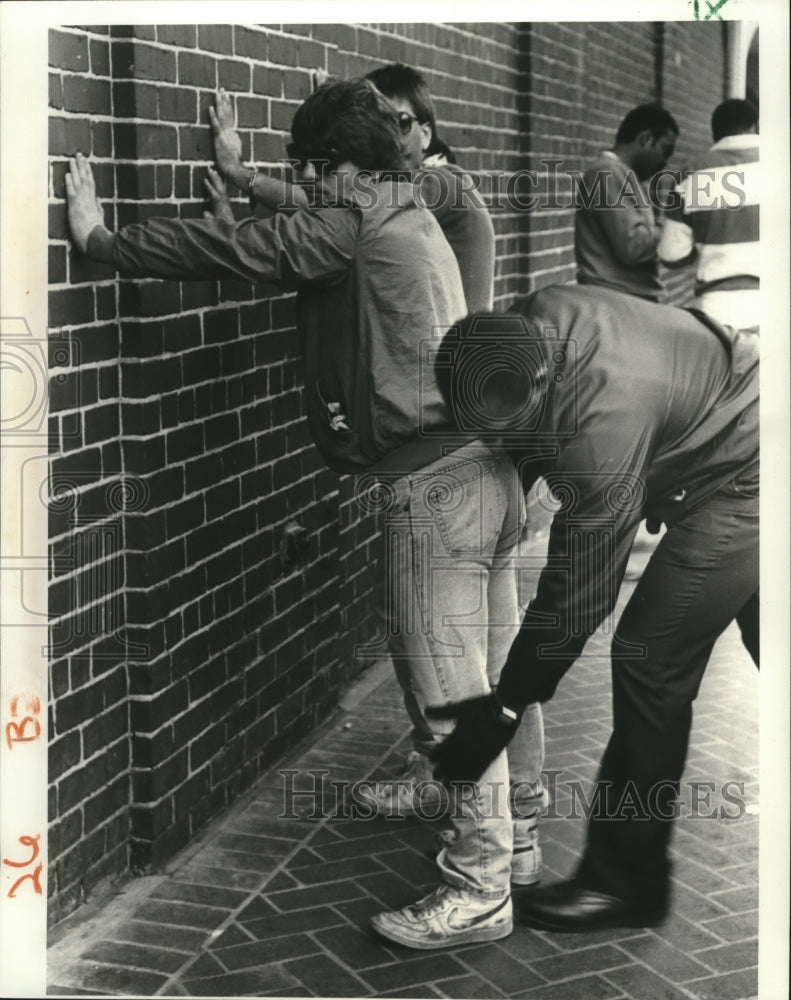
[{"x": 747, "y": 140}]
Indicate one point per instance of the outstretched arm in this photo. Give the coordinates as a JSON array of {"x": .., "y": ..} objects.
[
  {"x": 289, "y": 249},
  {"x": 272, "y": 193}
]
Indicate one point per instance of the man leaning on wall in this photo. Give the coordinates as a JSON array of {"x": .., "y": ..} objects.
[
  {"x": 616, "y": 227},
  {"x": 450, "y": 195},
  {"x": 375, "y": 279}
]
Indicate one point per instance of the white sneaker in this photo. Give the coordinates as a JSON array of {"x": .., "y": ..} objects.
[
  {"x": 413, "y": 790},
  {"x": 526, "y": 859},
  {"x": 445, "y": 918}
]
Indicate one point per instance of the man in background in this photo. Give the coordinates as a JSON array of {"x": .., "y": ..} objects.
[
  {"x": 717, "y": 224},
  {"x": 616, "y": 232}
]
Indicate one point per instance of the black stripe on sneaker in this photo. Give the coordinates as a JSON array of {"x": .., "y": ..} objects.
[{"x": 489, "y": 914}]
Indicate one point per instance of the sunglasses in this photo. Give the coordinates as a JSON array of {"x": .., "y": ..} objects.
[{"x": 405, "y": 121}]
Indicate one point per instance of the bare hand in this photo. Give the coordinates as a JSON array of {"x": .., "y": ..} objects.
[
  {"x": 217, "y": 193},
  {"x": 227, "y": 144},
  {"x": 84, "y": 208}
]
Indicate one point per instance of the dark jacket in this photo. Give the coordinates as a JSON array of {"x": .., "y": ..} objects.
[
  {"x": 650, "y": 410},
  {"x": 615, "y": 231}
]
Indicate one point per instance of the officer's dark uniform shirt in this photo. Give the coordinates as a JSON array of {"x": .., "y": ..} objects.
[{"x": 651, "y": 412}]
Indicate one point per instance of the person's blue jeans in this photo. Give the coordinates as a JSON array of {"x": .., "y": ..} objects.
[{"x": 452, "y": 614}]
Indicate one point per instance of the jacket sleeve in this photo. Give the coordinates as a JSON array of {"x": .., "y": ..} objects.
[
  {"x": 600, "y": 508},
  {"x": 286, "y": 249},
  {"x": 630, "y": 229}
]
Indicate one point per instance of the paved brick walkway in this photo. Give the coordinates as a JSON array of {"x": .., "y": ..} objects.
[{"x": 262, "y": 905}]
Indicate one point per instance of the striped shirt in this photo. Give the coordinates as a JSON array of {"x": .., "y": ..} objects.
[{"x": 718, "y": 223}]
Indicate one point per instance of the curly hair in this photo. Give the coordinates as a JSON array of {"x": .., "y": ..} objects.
[
  {"x": 646, "y": 117},
  {"x": 346, "y": 120}
]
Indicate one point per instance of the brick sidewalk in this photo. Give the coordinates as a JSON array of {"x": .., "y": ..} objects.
[{"x": 261, "y": 905}]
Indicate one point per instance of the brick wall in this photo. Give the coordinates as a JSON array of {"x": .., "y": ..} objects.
[
  {"x": 189, "y": 652},
  {"x": 580, "y": 80}
]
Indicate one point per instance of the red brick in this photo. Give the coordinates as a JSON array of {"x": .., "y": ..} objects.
[
  {"x": 112, "y": 799},
  {"x": 138, "y": 61},
  {"x": 144, "y": 141},
  {"x": 178, "y": 104},
  {"x": 55, "y": 90},
  {"x": 182, "y": 35},
  {"x": 195, "y": 143},
  {"x": 197, "y": 70},
  {"x": 132, "y": 99},
  {"x": 216, "y": 38},
  {"x": 250, "y": 43},
  {"x": 71, "y": 307},
  {"x": 68, "y": 136},
  {"x": 101, "y": 139},
  {"x": 68, "y": 51},
  {"x": 233, "y": 75},
  {"x": 100, "y": 57}
]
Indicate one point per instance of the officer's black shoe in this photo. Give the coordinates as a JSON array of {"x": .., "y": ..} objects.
[{"x": 569, "y": 906}]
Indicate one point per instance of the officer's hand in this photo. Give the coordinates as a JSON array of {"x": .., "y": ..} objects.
[{"x": 482, "y": 732}]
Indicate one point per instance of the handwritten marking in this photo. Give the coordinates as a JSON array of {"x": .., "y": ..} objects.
[
  {"x": 713, "y": 10},
  {"x": 15, "y": 732},
  {"x": 35, "y": 875}
]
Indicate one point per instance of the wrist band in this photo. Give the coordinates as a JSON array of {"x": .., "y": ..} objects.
[
  {"x": 251, "y": 184},
  {"x": 507, "y": 715}
]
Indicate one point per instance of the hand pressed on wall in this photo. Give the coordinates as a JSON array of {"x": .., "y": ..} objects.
[
  {"x": 217, "y": 193},
  {"x": 227, "y": 144},
  {"x": 84, "y": 209}
]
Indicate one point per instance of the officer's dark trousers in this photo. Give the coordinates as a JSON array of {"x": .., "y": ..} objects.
[{"x": 702, "y": 575}]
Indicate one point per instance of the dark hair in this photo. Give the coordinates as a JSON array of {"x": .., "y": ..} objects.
[
  {"x": 346, "y": 120},
  {"x": 653, "y": 117},
  {"x": 733, "y": 117},
  {"x": 398, "y": 80}
]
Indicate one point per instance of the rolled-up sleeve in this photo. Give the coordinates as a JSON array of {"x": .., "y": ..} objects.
[{"x": 287, "y": 250}]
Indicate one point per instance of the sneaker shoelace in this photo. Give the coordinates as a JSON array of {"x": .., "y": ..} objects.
[{"x": 433, "y": 903}]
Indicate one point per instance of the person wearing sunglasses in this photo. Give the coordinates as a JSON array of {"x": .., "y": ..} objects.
[
  {"x": 447, "y": 190},
  {"x": 375, "y": 280},
  {"x": 468, "y": 228}
]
